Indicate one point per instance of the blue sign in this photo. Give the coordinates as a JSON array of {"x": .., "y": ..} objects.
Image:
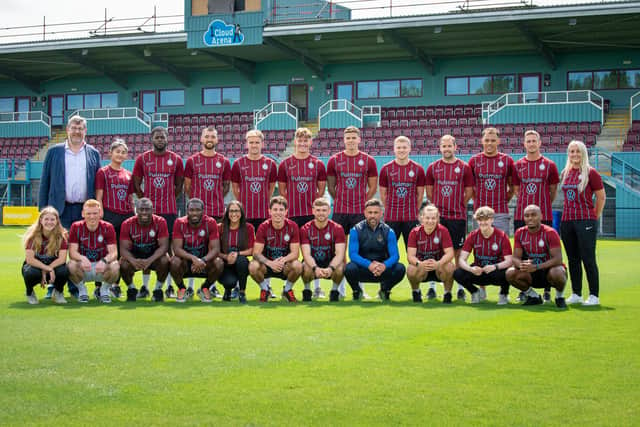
[{"x": 220, "y": 33}]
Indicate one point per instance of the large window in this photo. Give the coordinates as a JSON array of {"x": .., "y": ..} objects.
[
  {"x": 409, "y": 88},
  {"x": 220, "y": 95},
  {"x": 91, "y": 101},
  {"x": 7, "y": 105},
  {"x": 603, "y": 79},
  {"x": 278, "y": 93},
  {"x": 480, "y": 85},
  {"x": 171, "y": 97}
]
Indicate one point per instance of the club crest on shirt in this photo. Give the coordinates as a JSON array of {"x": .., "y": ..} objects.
[
  {"x": 152, "y": 233},
  {"x": 218, "y": 165},
  {"x": 327, "y": 236},
  {"x": 265, "y": 166},
  {"x": 412, "y": 174},
  {"x": 170, "y": 162},
  {"x": 494, "y": 246},
  {"x": 100, "y": 238},
  {"x": 379, "y": 238},
  {"x": 201, "y": 233},
  {"x": 500, "y": 164},
  {"x": 541, "y": 243},
  {"x": 542, "y": 167},
  {"x": 360, "y": 162},
  {"x": 310, "y": 165},
  {"x": 436, "y": 240},
  {"x": 457, "y": 169},
  {"x": 287, "y": 237}
]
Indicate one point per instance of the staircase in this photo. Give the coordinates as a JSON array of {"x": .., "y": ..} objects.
[
  {"x": 57, "y": 137},
  {"x": 614, "y": 131}
]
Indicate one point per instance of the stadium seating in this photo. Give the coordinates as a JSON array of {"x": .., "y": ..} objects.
[
  {"x": 632, "y": 143},
  {"x": 21, "y": 149}
]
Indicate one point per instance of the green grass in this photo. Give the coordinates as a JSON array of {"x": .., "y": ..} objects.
[{"x": 322, "y": 364}]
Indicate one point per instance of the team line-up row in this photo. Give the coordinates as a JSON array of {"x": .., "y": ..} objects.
[{"x": 491, "y": 178}]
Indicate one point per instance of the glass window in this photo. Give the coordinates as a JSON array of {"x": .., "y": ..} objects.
[
  {"x": 7, "y": 105},
  {"x": 367, "y": 90},
  {"x": 629, "y": 79},
  {"x": 580, "y": 80},
  {"x": 411, "y": 88},
  {"x": 231, "y": 95},
  {"x": 456, "y": 86},
  {"x": 149, "y": 102},
  {"x": 504, "y": 84},
  {"x": 92, "y": 101},
  {"x": 169, "y": 98},
  {"x": 75, "y": 102},
  {"x": 211, "y": 96},
  {"x": 278, "y": 94},
  {"x": 479, "y": 85},
  {"x": 389, "y": 89},
  {"x": 605, "y": 79},
  {"x": 109, "y": 100}
]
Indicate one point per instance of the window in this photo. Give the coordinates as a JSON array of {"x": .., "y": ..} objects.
[
  {"x": 91, "y": 101},
  {"x": 75, "y": 102},
  {"x": 390, "y": 89},
  {"x": 7, "y": 105},
  {"x": 109, "y": 100},
  {"x": 278, "y": 93},
  {"x": 171, "y": 97},
  {"x": 217, "y": 95},
  {"x": 480, "y": 85},
  {"x": 603, "y": 79}
]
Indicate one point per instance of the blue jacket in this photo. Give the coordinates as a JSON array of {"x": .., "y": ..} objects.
[
  {"x": 52, "y": 189},
  {"x": 366, "y": 245}
]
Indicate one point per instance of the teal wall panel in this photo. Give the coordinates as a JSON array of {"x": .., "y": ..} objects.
[
  {"x": 251, "y": 25},
  {"x": 115, "y": 126},
  {"x": 627, "y": 211},
  {"x": 277, "y": 121},
  {"x": 546, "y": 113},
  {"x": 633, "y": 158},
  {"x": 21, "y": 129},
  {"x": 635, "y": 114},
  {"x": 339, "y": 120}
]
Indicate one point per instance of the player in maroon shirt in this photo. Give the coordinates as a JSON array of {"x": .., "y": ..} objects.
[
  {"x": 162, "y": 172},
  {"x": 429, "y": 254},
  {"x": 492, "y": 256},
  {"x": 323, "y": 247},
  {"x": 493, "y": 171},
  {"x": 93, "y": 252},
  {"x": 402, "y": 184},
  {"x": 449, "y": 186},
  {"x": 236, "y": 244},
  {"x": 196, "y": 248},
  {"x": 537, "y": 259},
  {"x": 535, "y": 182},
  {"x": 579, "y": 227},
  {"x": 253, "y": 178},
  {"x": 45, "y": 247},
  {"x": 144, "y": 245},
  {"x": 276, "y": 251},
  {"x": 207, "y": 175},
  {"x": 302, "y": 178},
  {"x": 352, "y": 179}
]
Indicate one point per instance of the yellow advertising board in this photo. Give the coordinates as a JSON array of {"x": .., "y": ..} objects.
[{"x": 19, "y": 215}]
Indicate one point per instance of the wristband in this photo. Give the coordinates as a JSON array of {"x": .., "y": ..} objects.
[{"x": 496, "y": 266}]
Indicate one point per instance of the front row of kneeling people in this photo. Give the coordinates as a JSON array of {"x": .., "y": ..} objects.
[{"x": 218, "y": 252}]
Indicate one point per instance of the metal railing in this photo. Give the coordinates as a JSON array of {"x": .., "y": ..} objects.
[
  {"x": 275, "y": 108},
  {"x": 160, "y": 117},
  {"x": 25, "y": 116},
  {"x": 115, "y": 113},
  {"x": 371, "y": 110},
  {"x": 340, "y": 105},
  {"x": 634, "y": 102},
  {"x": 490, "y": 108}
]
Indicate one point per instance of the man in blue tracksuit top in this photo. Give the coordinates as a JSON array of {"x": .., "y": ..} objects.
[{"x": 373, "y": 250}]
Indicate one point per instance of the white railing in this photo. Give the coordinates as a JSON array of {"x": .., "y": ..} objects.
[
  {"x": 558, "y": 97},
  {"x": 275, "y": 108},
  {"x": 371, "y": 110},
  {"x": 634, "y": 102},
  {"x": 160, "y": 117},
  {"x": 340, "y": 105},
  {"x": 115, "y": 113},
  {"x": 25, "y": 116}
]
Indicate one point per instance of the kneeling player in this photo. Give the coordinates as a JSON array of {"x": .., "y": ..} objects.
[
  {"x": 323, "y": 246},
  {"x": 196, "y": 246},
  {"x": 492, "y": 256},
  {"x": 144, "y": 245},
  {"x": 276, "y": 251},
  {"x": 93, "y": 251},
  {"x": 429, "y": 254},
  {"x": 537, "y": 259}
]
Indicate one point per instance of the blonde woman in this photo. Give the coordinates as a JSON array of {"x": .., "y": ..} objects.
[
  {"x": 45, "y": 244},
  {"x": 579, "y": 227}
]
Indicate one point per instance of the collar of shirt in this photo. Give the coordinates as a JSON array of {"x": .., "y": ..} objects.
[{"x": 68, "y": 149}]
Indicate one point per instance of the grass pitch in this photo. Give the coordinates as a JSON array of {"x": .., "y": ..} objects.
[{"x": 364, "y": 363}]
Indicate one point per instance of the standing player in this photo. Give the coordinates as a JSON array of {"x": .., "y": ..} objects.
[
  {"x": 253, "y": 178},
  {"x": 196, "y": 246},
  {"x": 429, "y": 254},
  {"x": 276, "y": 251},
  {"x": 449, "y": 185},
  {"x": 493, "y": 171},
  {"x": 323, "y": 246},
  {"x": 535, "y": 182},
  {"x": 402, "y": 184},
  {"x": 492, "y": 256},
  {"x": 93, "y": 252},
  {"x": 302, "y": 178},
  {"x": 144, "y": 245},
  {"x": 537, "y": 259},
  {"x": 207, "y": 175},
  {"x": 162, "y": 172}
]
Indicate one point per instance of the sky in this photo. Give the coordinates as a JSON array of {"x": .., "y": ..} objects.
[{"x": 22, "y": 13}]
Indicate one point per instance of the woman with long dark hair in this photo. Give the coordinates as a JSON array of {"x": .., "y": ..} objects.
[
  {"x": 45, "y": 245},
  {"x": 236, "y": 243}
]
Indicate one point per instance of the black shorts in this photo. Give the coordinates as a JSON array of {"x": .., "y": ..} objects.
[
  {"x": 116, "y": 220},
  {"x": 539, "y": 278},
  {"x": 347, "y": 221},
  {"x": 402, "y": 229},
  {"x": 431, "y": 277},
  {"x": 457, "y": 229},
  {"x": 271, "y": 273},
  {"x": 171, "y": 219},
  {"x": 190, "y": 273},
  {"x": 301, "y": 220},
  {"x": 517, "y": 223},
  {"x": 256, "y": 223}
]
